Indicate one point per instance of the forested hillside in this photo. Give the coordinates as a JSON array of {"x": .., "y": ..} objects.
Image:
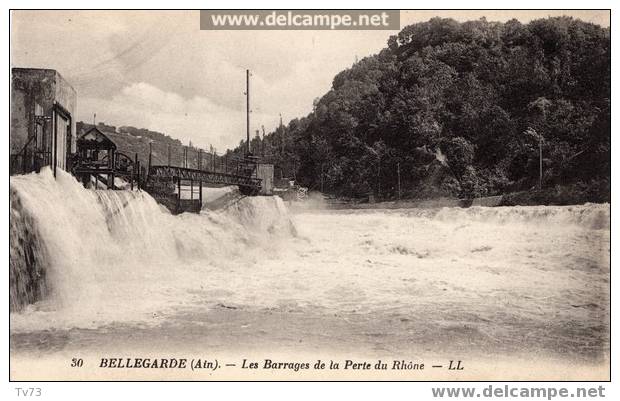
[{"x": 458, "y": 109}]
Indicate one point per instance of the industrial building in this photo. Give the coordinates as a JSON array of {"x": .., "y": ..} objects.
[{"x": 43, "y": 114}]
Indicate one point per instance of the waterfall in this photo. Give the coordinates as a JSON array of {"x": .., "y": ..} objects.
[{"x": 91, "y": 252}]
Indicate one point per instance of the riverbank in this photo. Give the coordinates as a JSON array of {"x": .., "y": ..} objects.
[{"x": 556, "y": 196}]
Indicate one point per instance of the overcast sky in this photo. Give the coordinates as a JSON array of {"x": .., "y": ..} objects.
[{"x": 157, "y": 70}]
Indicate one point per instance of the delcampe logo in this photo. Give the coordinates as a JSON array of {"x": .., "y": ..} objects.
[{"x": 299, "y": 20}]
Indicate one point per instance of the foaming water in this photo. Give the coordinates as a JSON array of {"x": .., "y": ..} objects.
[
  {"x": 587, "y": 216},
  {"x": 119, "y": 256},
  {"x": 507, "y": 277}
]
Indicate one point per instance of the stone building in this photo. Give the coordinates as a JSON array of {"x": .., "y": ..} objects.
[{"x": 43, "y": 117}]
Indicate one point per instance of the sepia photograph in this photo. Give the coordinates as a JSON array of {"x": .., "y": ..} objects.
[{"x": 309, "y": 195}]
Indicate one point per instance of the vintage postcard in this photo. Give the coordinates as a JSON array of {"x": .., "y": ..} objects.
[{"x": 310, "y": 195}]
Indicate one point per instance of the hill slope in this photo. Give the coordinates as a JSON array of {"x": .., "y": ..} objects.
[{"x": 480, "y": 94}]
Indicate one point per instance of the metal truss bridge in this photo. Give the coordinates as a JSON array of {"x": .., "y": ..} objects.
[{"x": 166, "y": 172}]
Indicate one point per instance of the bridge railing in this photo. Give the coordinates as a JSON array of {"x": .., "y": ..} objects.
[
  {"x": 213, "y": 177},
  {"x": 195, "y": 158}
]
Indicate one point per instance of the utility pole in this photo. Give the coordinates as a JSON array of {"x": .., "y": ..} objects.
[
  {"x": 533, "y": 132},
  {"x": 150, "y": 154},
  {"x": 379, "y": 178},
  {"x": 541, "y": 104},
  {"x": 322, "y": 178},
  {"x": 398, "y": 173},
  {"x": 262, "y": 142},
  {"x": 540, "y": 171},
  {"x": 281, "y": 135},
  {"x": 247, "y": 106},
  {"x": 257, "y": 151}
]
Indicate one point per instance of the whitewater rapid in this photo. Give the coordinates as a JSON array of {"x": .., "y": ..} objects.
[
  {"x": 119, "y": 256},
  {"x": 504, "y": 279}
]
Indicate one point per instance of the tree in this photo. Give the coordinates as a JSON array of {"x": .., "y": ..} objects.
[{"x": 466, "y": 90}]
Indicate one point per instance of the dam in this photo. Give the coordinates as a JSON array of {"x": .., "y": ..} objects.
[{"x": 94, "y": 269}]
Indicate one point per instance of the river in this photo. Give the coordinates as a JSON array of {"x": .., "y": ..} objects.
[{"x": 513, "y": 292}]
